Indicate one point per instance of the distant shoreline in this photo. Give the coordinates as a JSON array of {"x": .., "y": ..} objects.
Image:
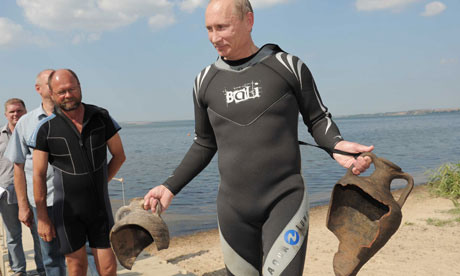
[{"x": 414, "y": 112}]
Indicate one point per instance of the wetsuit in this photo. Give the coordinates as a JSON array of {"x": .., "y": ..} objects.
[
  {"x": 249, "y": 112},
  {"x": 81, "y": 208}
]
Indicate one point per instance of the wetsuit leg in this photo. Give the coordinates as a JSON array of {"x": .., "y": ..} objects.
[
  {"x": 71, "y": 234},
  {"x": 285, "y": 235},
  {"x": 98, "y": 230},
  {"x": 280, "y": 241},
  {"x": 70, "y": 229},
  {"x": 240, "y": 241}
]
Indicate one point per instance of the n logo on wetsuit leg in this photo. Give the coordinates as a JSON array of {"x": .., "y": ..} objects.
[{"x": 292, "y": 237}]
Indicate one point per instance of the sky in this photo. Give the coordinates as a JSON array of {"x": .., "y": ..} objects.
[{"x": 138, "y": 58}]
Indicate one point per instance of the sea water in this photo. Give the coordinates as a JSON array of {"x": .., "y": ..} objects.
[{"x": 153, "y": 150}]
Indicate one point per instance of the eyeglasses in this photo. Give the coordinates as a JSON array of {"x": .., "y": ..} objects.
[{"x": 71, "y": 90}]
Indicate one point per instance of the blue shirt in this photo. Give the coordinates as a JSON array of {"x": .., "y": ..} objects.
[{"x": 18, "y": 152}]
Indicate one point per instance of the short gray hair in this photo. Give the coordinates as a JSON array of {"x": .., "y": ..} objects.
[
  {"x": 14, "y": 101},
  {"x": 240, "y": 8},
  {"x": 38, "y": 78}
]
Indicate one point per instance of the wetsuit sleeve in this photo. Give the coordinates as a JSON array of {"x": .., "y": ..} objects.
[
  {"x": 315, "y": 115},
  {"x": 39, "y": 140},
  {"x": 111, "y": 126},
  {"x": 200, "y": 153}
]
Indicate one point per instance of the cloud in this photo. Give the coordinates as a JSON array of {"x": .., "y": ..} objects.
[
  {"x": 373, "y": 5},
  {"x": 83, "y": 37},
  {"x": 9, "y": 31},
  {"x": 434, "y": 8},
  {"x": 14, "y": 34},
  {"x": 445, "y": 61},
  {"x": 266, "y": 3},
  {"x": 92, "y": 16},
  {"x": 191, "y": 5},
  {"x": 160, "y": 21},
  {"x": 88, "y": 19}
]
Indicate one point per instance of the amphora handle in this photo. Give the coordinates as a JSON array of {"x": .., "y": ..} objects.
[
  {"x": 158, "y": 210},
  {"x": 406, "y": 191},
  {"x": 373, "y": 157},
  {"x": 379, "y": 164},
  {"x": 125, "y": 210}
]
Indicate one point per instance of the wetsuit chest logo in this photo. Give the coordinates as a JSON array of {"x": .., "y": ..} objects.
[
  {"x": 243, "y": 93},
  {"x": 292, "y": 237}
]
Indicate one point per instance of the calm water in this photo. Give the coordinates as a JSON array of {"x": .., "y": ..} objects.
[{"x": 415, "y": 143}]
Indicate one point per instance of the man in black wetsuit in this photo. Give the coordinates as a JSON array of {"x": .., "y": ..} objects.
[
  {"x": 74, "y": 139},
  {"x": 247, "y": 105}
]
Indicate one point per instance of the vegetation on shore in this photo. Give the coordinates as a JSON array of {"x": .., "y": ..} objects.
[{"x": 445, "y": 182}]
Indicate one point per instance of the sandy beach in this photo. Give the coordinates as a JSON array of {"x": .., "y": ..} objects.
[{"x": 417, "y": 248}]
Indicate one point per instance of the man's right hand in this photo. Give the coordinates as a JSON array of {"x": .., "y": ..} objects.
[
  {"x": 25, "y": 215},
  {"x": 159, "y": 194},
  {"x": 45, "y": 229}
]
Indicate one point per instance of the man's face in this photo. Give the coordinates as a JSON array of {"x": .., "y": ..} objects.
[
  {"x": 13, "y": 112},
  {"x": 66, "y": 92},
  {"x": 226, "y": 31}
]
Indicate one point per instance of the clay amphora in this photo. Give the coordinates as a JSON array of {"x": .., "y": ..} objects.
[
  {"x": 134, "y": 230},
  {"x": 364, "y": 215}
]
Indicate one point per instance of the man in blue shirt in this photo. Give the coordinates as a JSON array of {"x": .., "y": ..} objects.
[
  {"x": 14, "y": 109},
  {"x": 19, "y": 153}
]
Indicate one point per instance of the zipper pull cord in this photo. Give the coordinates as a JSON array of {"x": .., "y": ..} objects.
[{"x": 331, "y": 150}]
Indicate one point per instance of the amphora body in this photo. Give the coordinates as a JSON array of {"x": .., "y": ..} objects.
[
  {"x": 134, "y": 230},
  {"x": 364, "y": 215}
]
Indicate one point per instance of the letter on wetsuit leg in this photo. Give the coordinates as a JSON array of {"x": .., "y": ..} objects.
[{"x": 289, "y": 242}]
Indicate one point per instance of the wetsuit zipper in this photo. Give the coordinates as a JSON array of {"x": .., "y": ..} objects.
[
  {"x": 84, "y": 154},
  {"x": 99, "y": 197}
]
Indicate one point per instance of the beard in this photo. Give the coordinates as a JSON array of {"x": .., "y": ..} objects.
[{"x": 70, "y": 104}]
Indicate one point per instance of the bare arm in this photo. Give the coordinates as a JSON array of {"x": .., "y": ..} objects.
[
  {"x": 25, "y": 215},
  {"x": 45, "y": 227},
  {"x": 118, "y": 155}
]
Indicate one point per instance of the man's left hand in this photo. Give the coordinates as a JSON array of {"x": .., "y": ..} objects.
[
  {"x": 360, "y": 164},
  {"x": 46, "y": 230}
]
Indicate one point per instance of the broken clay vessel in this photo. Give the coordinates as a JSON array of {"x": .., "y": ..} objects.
[
  {"x": 135, "y": 229},
  {"x": 364, "y": 215}
]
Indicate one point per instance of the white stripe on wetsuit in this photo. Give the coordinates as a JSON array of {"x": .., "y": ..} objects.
[
  {"x": 288, "y": 243},
  {"x": 234, "y": 262}
]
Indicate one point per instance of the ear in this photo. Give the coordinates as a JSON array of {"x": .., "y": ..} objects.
[{"x": 249, "y": 21}]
